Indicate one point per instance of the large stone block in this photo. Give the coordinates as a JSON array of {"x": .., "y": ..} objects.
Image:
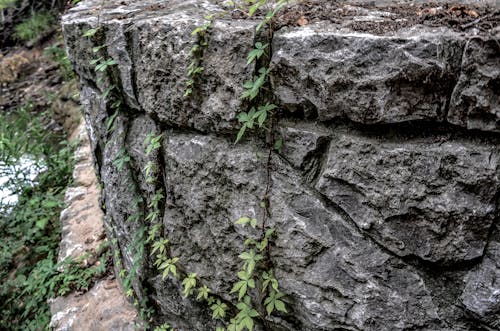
[
  {"x": 422, "y": 197},
  {"x": 323, "y": 263},
  {"x": 475, "y": 102},
  {"x": 365, "y": 77}
]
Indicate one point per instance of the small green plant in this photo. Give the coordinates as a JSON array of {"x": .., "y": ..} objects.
[
  {"x": 189, "y": 284},
  {"x": 30, "y": 229},
  {"x": 218, "y": 310},
  {"x": 34, "y": 27},
  {"x": 101, "y": 64},
  {"x": 57, "y": 53},
  {"x": 164, "y": 327},
  {"x": 121, "y": 159},
  {"x": 195, "y": 68}
]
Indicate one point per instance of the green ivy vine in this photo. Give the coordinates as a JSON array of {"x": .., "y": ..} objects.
[{"x": 257, "y": 286}]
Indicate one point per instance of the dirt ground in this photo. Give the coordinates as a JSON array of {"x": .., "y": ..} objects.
[{"x": 458, "y": 17}]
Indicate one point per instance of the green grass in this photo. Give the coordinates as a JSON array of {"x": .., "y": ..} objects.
[
  {"x": 34, "y": 27},
  {"x": 7, "y": 3},
  {"x": 57, "y": 53},
  {"x": 30, "y": 231}
]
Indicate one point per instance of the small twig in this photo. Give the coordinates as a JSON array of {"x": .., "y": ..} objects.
[{"x": 468, "y": 25}]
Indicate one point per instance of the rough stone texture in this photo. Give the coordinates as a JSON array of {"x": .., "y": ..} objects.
[
  {"x": 432, "y": 199},
  {"x": 326, "y": 71},
  {"x": 482, "y": 288},
  {"x": 475, "y": 102},
  {"x": 384, "y": 195},
  {"x": 104, "y": 306}
]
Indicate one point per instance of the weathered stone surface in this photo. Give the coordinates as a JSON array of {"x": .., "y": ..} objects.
[
  {"x": 104, "y": 306},
  {"x": 417, "y": 73},
  {"x": 379, "y": 227},
  {"x": 303, "y": 143},
  {"x": 323, "y": 263},
  {"x": 164, "y": 46},
  {"x": 175, "y": 308},
  {"x": 154, "y": 40},
  {"x": 475, "y": 102},
  {"x": 481, "y": 294},
  {"x": 432, "y": 199},
  {"x": 366, "y": 78}
]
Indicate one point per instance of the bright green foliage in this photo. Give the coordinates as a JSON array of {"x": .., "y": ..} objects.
[
  {"x": 110, "y": 121},
  {"x": 189, "y": 284},
  {"x": 30, "y": 231},
  {"x": 121, "y": 159},
  {"x": 90, "y": 33},
  {"x": 157, "y": 197},
  {"x": 218, "y": 310},
  {"x": 153, "y": 142},
  {"x": 265, "y": 241},
  {"x": 257, "y": 52},
  {"x": 246, "y": 281},
  {"x": 149, "y": 171},
  {"x": 97, "y": 48},
  {"x": 203, "y": 293},
  {"x": 34, "y": 27},
  {"x": 250, "y": 259},
  {"x": 272, "y": 302},
  {"x": 252, "y": 87},
  {"x": 246, "y": 314},
  {"x": 167, "y": 265},
  {"x": 160, "y": 246},
  {"x": 153, "y": 232},
  {"x": 245, "y": 220},
  {"x": 248, "y": 119},
  {"x": 269, "y": 279},
  {"x": 102, "y": 64},
  {"x": 164, "y": 327}
]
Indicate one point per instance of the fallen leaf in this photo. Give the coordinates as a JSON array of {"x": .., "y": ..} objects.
[{"x": 472, "y": 13}]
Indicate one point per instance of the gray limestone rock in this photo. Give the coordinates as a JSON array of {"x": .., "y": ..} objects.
[
  {"x": 432, "y": 199},
  {"x": 383, "y": 196},
  {"x": 475, "y": 102},
  {"x": 481, "y": 294},
  {"x": 329, "y": 269},
  {"x": 366, "y": 78}
]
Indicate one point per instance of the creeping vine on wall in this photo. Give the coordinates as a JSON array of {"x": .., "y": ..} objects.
[{"x": 257, "y": 290}]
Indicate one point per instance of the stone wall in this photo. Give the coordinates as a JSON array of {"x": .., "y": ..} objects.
[{"x": 384, "y": 196}]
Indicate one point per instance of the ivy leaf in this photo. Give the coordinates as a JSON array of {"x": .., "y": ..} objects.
[
  {"x": 242, "y": 220},
  {"x": 90, "y": 32},
  {"x": 240, "y": 133},
  {"x": 272, "y": 302},
  {"x": 203, "y": 293},
  {"x": 218, "y": 310},
  {"x": 189, "y": 283},
  {"x": 253, "y": 222},
  {"x": 278, "y": 144},
  {"x": 97, "y": 48},
  {"x": 110, "y": 120},
  {"x": 262, "y": 118}
]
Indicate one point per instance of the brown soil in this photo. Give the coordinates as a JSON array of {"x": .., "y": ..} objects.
[
  {"x": 29, "y": 76},
  {"x": 458, "y": 17}
]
